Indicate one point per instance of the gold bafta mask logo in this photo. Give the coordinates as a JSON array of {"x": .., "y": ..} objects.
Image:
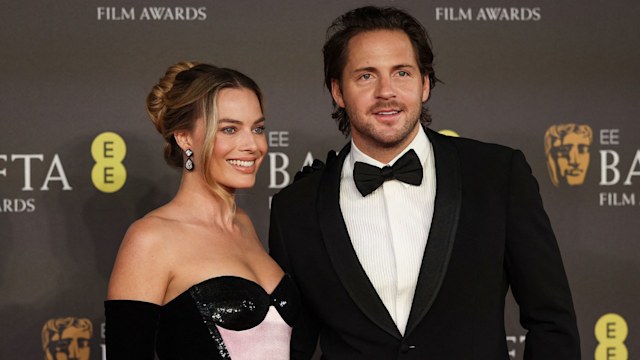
[
  {"x": 67, "y": 339},
  {"x": 567, "y": 149}
]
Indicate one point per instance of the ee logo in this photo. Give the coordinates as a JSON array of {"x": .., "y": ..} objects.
[
  {"x": 108, "y": 150},
  {"x": 449, "y": 132},
  {"x": 611, "y": 332}
]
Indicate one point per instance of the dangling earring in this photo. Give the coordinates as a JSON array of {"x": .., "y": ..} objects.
[{"x": 189, "y": 163}]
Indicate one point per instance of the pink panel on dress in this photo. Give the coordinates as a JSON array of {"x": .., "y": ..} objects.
[{"x": 268, "y": 340}]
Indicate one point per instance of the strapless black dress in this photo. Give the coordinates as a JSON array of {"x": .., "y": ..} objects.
[{"x": 225, "y": 317}]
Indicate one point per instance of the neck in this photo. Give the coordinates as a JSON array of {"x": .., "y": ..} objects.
[{"x": 200, "y": 203}]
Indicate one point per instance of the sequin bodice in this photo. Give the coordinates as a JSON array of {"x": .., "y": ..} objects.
[{"x": 228, "y": 317}]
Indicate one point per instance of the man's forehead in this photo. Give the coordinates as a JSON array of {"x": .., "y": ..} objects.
[{"x": 389, "y": 43}]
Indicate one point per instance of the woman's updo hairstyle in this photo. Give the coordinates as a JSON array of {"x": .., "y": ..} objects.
[
  {"x": 188, "y": 91},
  {"x": 158, "y": 103}
]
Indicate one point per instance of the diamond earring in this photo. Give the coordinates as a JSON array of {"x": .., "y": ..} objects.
[{"x": 189, "y": 163}]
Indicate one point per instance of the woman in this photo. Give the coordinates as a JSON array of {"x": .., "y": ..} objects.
[{"x": 191, "y": 278}]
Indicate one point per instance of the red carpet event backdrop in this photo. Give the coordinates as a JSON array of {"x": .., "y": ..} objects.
[{"x": 79, "y": 159}]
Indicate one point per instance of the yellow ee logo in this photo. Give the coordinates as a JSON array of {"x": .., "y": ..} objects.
[
  {"x": 611, "y": 332},
  {"x": 448, "y": 132},
  {"x": 108, "y": 150}
]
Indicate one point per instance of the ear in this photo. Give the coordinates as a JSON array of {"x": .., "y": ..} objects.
[
  {"x": 183, "y": 139},
  {"x": 426, "y": 88},
  {"x": 336, "y": 93}
]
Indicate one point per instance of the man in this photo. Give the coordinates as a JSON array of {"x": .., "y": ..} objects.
[
  {"x": 567, "y": 150},
  {"x": 406, "y": 242},
  {"x": 67, "y": 339}
]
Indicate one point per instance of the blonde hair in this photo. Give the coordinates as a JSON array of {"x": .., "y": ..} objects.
[{"x": 188, "y": 91}]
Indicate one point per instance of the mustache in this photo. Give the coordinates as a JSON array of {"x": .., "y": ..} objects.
[{"x": 386, "y": 105}]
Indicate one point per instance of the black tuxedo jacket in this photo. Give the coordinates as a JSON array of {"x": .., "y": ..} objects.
[{"x": 489, "y": 231}]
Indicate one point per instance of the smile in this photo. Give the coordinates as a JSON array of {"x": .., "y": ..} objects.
[
  {"x": 390, "y": 112},
  {"x": 241, "y": 163}
]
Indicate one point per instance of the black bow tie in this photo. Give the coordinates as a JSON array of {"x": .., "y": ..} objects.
[{"x": 368, "y": 177}]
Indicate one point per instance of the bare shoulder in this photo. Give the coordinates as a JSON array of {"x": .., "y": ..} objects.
[
  {"x": 149, "y": 229},
  {"x": 143, "y": 266},
  {"x": 146, "y": 237}
]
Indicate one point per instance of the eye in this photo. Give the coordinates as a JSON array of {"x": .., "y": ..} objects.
[
  {"x": 365, "y": 76},
  {"x": 563, "y": 151},
  {"x": 403, "y": 73},
  {"x": 259, "y": 129},
  {"x": 62, "y": 345},
  {"x": 228, "y": 130},
  {"x": 83, "y": 343}
]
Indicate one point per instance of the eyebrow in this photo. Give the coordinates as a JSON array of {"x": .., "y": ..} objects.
[
  {"x": 395, "y": 67},
  {"x": 234, "y": 121}
]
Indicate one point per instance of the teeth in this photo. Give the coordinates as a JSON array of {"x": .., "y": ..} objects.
[
  {"x": 241, "y": 163},
  {"x": 388, "y": 112}
]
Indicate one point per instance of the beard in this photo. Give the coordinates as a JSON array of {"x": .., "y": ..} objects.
[{"x": 369, "y": 132}]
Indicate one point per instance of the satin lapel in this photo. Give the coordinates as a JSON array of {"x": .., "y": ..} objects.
[
  {"x": 443, "y": 228},
  {"x": 341, "y": 252}
]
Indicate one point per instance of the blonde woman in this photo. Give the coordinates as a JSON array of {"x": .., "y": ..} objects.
[{"x": 191, "y": 279}]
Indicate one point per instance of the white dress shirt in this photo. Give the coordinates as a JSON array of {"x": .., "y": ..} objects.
[{"x": 390, "y": 226}]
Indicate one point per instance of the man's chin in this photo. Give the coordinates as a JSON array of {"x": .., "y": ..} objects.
[{"x": 393, "y": 138}]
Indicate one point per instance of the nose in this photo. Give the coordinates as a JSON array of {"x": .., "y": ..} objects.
[
  {"x": 248, "y": 141},
  {"x": 74, "y": 352},
  {"x": 573, "y": 155},
  {"x": 384, "y": 88}
]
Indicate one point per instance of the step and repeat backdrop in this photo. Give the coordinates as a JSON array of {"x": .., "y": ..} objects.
[{"x": 79, "y": 159}]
